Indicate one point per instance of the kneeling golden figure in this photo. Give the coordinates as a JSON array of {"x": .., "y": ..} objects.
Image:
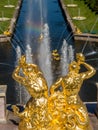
[{"x": 62, "y": 109}]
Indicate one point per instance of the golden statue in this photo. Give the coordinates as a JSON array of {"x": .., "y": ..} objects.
[
  {"x": 34, "y": 117},
  {"x": 62, "y": 109},
  {"x": 73, "y": 111}
]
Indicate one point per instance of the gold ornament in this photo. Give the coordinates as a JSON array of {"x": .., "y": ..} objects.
[{"x": 62, "y": 109}]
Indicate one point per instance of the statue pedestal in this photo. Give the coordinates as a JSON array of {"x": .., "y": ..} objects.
[{"x": 3, "y": 103}]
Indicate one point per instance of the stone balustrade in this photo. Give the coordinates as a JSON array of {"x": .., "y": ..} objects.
[{"x": 3, "y": 115}]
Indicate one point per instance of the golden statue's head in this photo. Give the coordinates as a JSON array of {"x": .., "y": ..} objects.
[
  {"x": 74, "y": 66},
  {"x": 27, "y": 68},
  {"x": 80, "y": 57}
]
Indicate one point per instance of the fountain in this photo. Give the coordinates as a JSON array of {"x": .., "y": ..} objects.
[
  {"x": 79, "y": 17},
  {"x": 21, "y": 92},
  {"x": 71, "y": 53},
  {"x": 3, "y": 18},
  {"x": 72, "y": 4},
  {"x": 44, "y": 62},
  {"x": 41, "y": 19},
  {"x": 67, "y": 56},
  {"x": 18, "y": 87},
  {"x": 64, "y": 58},
  {"x": 18, "y": 51},
  {"x": 45, "y": 55},
  {"x": 44, "y": 111},
  {"x": 29, "y": 54},
  {"x": 9, "y": 5}
]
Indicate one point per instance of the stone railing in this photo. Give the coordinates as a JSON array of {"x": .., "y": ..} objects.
[{"x": 3, "y": 114}]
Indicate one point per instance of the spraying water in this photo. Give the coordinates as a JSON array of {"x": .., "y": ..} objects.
[
  {"x": 17, "y": 85},
  {"x": 21, "y": 92},
  {"x": 67, "y": 57},
  {"x": 71, "y": 53},
  {"x": 45, "y": 55},
  {"x": 28, "y": 54},
  {"x": 64, "y": 58},
  {"x": 32, "y": 21},
  {"x": 18, "y": 54}
]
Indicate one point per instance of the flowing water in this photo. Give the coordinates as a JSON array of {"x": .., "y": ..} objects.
[{"x": 40, "y": 29}]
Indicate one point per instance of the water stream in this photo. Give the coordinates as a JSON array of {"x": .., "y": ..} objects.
[{"x": 40, "y": 29}]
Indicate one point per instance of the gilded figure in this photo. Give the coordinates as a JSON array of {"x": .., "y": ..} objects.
[
  {"x": 34, "y": 117},
  {"x": 62, "y": 109},
  {"x": 73, "y": 111}
]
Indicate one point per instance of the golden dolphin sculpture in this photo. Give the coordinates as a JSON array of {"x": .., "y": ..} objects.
[{"x": 62, "y": 109}]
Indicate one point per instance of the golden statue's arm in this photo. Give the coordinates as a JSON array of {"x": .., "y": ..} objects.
[
  {"x": 16, "y": 111},
  {"x": 16, "y": 73},
  {"x": 90, "y": 70},
  {"x": 25, "y": 68},
  {"x": 17, "y": 77},
  {"x": 23, "y": 114},
  {"x": 55, "y": 85}
]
